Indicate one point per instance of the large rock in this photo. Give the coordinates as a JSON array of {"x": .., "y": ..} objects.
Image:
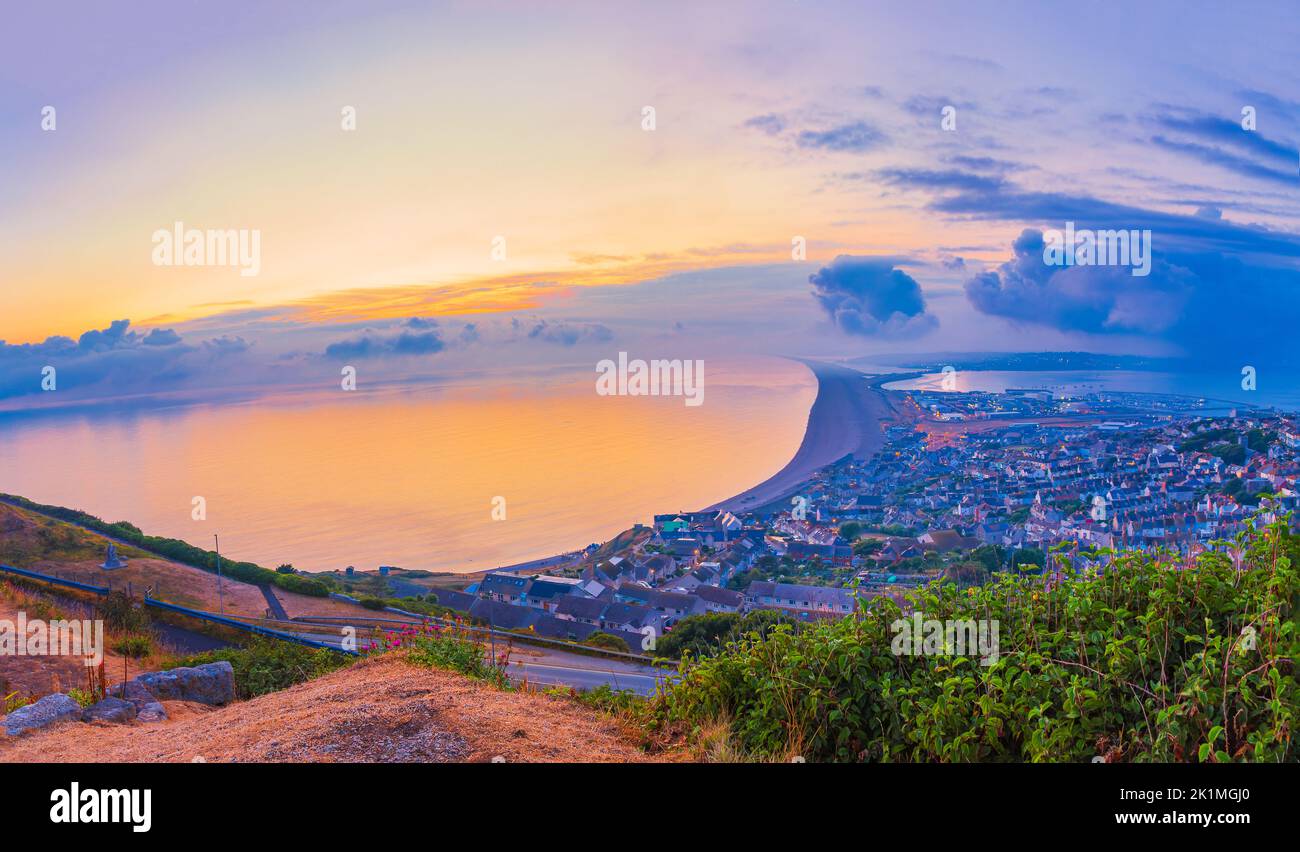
[
  {"x": 210, "y": 683},
  {"x": 152, "y": 712},
  {"x": 110, "y": 710},
  {"x": 50, "y": 709},
  {"x": 133, "y": 692}
]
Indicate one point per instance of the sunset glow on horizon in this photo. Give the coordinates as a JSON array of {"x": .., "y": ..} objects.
[{"x": 469, "y": 163}]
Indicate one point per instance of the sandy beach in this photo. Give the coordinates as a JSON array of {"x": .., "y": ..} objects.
[{"x": 845, "y": 418}]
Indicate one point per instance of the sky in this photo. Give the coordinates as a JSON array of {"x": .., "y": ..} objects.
[{"x": 502, "y": 201}]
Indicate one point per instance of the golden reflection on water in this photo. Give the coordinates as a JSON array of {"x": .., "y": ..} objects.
[{"x": 407, "y": 476}]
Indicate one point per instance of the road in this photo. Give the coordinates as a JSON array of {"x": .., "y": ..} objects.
[
  {"x": 187, "y": 641},
  {"x": 551, "y": 667},
  {"x": 560, "y": 668}
]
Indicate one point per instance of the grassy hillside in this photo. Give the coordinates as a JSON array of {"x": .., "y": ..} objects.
[
  {"x": 27, "y": 538},
  {"x": 175, "y": 549}
]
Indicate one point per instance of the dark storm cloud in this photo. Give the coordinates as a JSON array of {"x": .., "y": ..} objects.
[
  {"x": 871, "y": 297},
  {"x": 1214, "y": 306}
]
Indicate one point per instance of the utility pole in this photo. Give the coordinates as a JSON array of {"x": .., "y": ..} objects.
[{"x": 221, "y": 597}]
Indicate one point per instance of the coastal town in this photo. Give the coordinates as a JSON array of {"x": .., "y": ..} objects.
[{"x": 965, "y": 485}]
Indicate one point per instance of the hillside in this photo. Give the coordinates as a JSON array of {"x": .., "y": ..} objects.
[
  {"x": 379, "y": 710},
  {"x": 40, "y": 675},
  {"x": 39, "y": 543}
]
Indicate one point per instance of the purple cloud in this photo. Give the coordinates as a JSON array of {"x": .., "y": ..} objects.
[{"x": 871, "y": 297}]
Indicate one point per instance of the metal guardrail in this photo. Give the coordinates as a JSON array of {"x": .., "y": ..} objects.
[
  {"x": 46, "y": 578},
  {"x": 182, "y": 610},
  {"x": 316, "y": 621},
  {"x": 239, "y": 625},
  {"x": 227, "y": 621}
]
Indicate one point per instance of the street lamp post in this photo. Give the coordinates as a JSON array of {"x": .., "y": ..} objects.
[{"x": 221, "y": 597}]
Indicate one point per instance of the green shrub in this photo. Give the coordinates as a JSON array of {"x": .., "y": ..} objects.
[
  {"x": 269, "y": 665},
  {"x": 607, "y": 699},
  {"x": 455, "y": 649},
  {"x": 302, "y": 585},
  {"x": 608, "y": 641},
  {"x": 136, "y": 645},
  {"x": 1148, "y": 661},
  {"x": 706, "y": 635}
]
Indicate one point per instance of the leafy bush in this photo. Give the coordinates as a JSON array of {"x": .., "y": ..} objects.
[
  {"x": 608, "y": 641},
  {"x": 1152, "y": 660},
  {"x": 269, "y": 665},
  {"x": 82, "y": 697},
  {"x": 706, "y": 635},
  {"x": 135, "y": 645},
  {"x": 302, "y": 585},
  {"x": 603, "y": 698},
  {"x": 867, "y": 546},
  {"x": 451, "y": 648}
]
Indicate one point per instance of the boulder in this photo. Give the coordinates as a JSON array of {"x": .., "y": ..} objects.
[
  {"x": 210, "y": 683},
  {"x": 110, "y": 710},
  {"x": 152, "y": 712},
  {"x": 133, "y": 692},
  {"x": 50, "y": 709}
]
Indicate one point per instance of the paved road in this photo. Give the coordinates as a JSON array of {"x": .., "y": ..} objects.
[
  {"x": 550, "y": 667},
  {"x": 555, "y": 667},
  {"x": 187, "y": 641},
  {"x": 546, "y": 674}
]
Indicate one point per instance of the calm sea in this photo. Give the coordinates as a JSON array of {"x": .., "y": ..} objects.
[{"x": 407, "y": 476}]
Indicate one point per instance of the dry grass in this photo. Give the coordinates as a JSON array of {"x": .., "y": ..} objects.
[
  {"x": 714, "y": 743},
  {"x": 380, "y": 710},
  {"x": 27, "y": 537},
  {"x": 38, "y": 676}
]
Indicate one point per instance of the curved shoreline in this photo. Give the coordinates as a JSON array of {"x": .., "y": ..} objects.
[{"x": 844, "y": 420}]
